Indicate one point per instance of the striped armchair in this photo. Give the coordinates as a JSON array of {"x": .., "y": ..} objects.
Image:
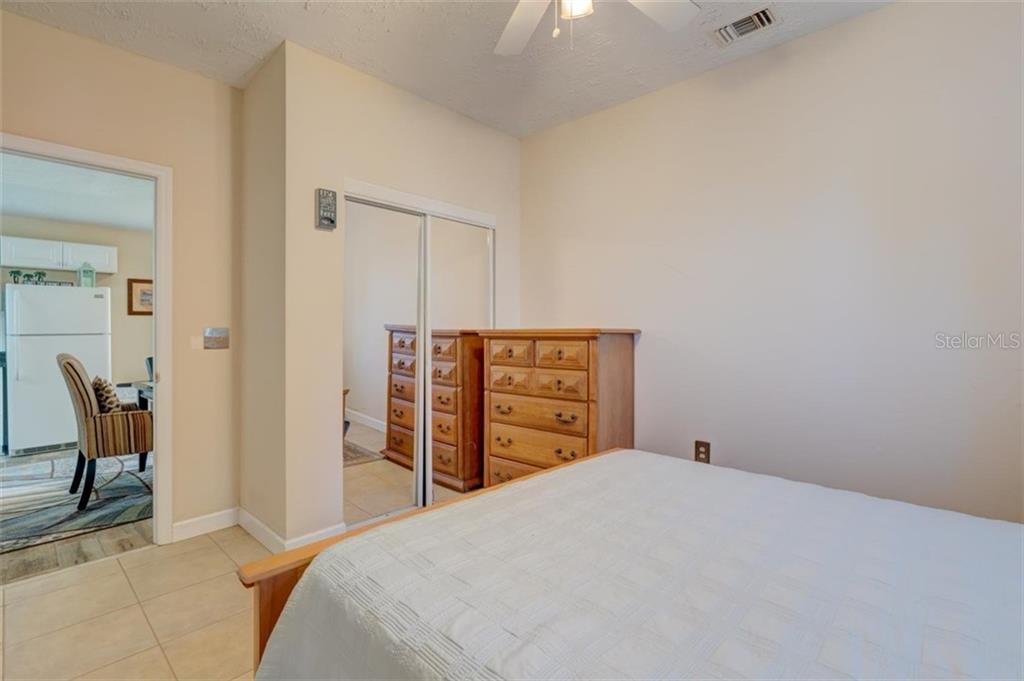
[{"x": 100, "y": 435}]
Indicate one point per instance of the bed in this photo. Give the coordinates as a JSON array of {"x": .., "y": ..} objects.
[{"x": 634, "y": 565}]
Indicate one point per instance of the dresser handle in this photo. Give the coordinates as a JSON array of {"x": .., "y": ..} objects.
[
  {"x": 395, "y": 439},
  {"x": 398, "y": 387},
  {"x": 444, "y": 428},
  {"x": 510, "y": 380},
  {"x": 503, "y": 410},
  {"x": 502, "y": 477},
  {"x": 437, "y": 349},
  {"x": 559, "y": 353},
  {"x": 565, "y": 457},
  {"x": 441, "y": 399},
  {"x": 398, "y": 413},
  {"x": 400, "y": 364},
  {"x": 447, "y": 461},
  {"x": 401, "y": 342},
  {"x": 507, "y": 442},
  {"x": 561, "y": 418},
  {"x": 510, "y": 352}
]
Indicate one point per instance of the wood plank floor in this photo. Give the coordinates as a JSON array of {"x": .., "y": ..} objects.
[{"x": 37, "y": 560}]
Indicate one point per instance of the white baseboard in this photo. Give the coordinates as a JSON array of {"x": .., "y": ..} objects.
[
  {"x": 363, "y": 419},
  {"x": 274, "y": 542},
  {"x": 315, "y": 536},
  {"x": 263, "y": 534},
  {"x": 186, "y": 529}
]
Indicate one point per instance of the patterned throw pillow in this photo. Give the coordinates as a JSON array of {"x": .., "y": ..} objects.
[{"x": 106, "y": 395}]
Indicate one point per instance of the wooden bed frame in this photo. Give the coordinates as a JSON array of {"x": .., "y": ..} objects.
[{"x": 272, "y": 579}]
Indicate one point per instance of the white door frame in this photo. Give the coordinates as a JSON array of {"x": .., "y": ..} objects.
[
  {"x": 163, "y": 469},
  {"x": 426, "y": 209}
]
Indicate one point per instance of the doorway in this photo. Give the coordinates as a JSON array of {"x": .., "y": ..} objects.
[
  {"x": 411, "y": 264},
  {"x": 84, "y": 263}
]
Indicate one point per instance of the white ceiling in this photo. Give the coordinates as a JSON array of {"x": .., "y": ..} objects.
[
  {"x": 41, "y": 188},
  {"x": 443, "y": 50}
]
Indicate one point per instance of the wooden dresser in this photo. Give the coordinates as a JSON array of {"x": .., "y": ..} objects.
[
  {"x": 456, "y": 402},
  {"x": 554, "y": 395}
]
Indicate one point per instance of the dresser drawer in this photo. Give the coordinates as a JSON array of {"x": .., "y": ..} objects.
[
  {"x": 535, "y": 447},
  {"x": 560, "y": 383},
  {"x": 445, "y": 428},
  {"x": 444, "y": 399},
  {"x": 401, "y": 440},
  {"x": 557, "y": 354},
  {"x": 503, "y": 471},
  {"x": 446, "y": 458},
  {"x": 403, "y": 364},
  {"x": 404, "y": 343},
  {"x": 538, "y": 412},
  {"x": 511, "y": 380},
  {"x": 445, "y": 348},
  {"x": 446, "y": 373},
  {"x": 511, "y": 352},
  {"x": 402, "y": 413},
  {"x": 403, "y": 388}
]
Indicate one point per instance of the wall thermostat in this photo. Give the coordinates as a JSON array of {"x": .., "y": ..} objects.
[{"x": 326, "y": 209}]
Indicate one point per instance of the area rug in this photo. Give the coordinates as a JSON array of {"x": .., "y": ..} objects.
[
  {"x": 36, "y": 507},
  {"x": 356, "y": 454}
]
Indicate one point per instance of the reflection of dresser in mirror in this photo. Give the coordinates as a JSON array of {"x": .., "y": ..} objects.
[{"x": 456, "y": 403}]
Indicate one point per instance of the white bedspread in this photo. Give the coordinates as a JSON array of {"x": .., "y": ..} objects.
[{"x": 640, "y": 566}]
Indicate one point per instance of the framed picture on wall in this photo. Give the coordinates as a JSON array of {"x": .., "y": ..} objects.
[{"x": 140, "y": 296}]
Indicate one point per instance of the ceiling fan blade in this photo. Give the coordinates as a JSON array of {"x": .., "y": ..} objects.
[
  {"x": 671, "y": 15},
  {"x": 521, "y": 26}
]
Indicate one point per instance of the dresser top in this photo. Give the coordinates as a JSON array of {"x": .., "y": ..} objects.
[
  {"x": 411, "y": 328},
  {"x": 568, "y": 332},
  {"x": 557, "y": 332}
]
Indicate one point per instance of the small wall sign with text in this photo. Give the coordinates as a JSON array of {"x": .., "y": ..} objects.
[{"x": 326, "y": 209}]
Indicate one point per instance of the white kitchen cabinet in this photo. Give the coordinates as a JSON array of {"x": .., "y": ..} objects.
[
  {"x": 43, "y": 254},
  {"x": 102, "y": 258},
  {"x": 31, "y": 253}
]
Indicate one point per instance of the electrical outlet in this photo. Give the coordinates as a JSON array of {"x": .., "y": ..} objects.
[{"x": 702, "y": 451}]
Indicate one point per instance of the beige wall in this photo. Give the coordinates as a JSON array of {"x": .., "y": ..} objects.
[
  {"x": 343, "y": 124},
  {"x": 382, "y": 285},
  {"x": 790, "y": 232},
  {"x": 262, "y": 313},
  {"x": 131, "y": 338},
  {"x": 71, "y": 90}
]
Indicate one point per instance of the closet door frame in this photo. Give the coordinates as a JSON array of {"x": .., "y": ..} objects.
[{"x": 426, "y": 209}]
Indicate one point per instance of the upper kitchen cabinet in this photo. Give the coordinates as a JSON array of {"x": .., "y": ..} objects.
[
  {"x": 102, "y": 258},
  {"x": 42, "y": 254},
  {"x": 31, "y": 253}
]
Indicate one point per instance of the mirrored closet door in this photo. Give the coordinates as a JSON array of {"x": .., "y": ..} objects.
[
  {"x": 412, "y": 398},
  {"x": 461, "y": 293},
  {"x": 379, "y": 362}
]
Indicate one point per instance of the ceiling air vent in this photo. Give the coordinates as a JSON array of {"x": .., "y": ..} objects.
[{"x": 745, "y": 26}]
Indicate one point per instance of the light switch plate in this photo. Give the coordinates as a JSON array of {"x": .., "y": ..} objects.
[{"x": 216, "y": 338}]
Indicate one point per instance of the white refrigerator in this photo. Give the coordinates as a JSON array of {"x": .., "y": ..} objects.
[{"x": 41, "y": 323}]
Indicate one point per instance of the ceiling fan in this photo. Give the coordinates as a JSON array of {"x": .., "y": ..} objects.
[{"x": 671, "y": 15}]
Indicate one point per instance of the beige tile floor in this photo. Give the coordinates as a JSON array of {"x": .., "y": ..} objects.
[
  {"x": 161, "y": 612},
  {"x": 379, "y": 487}
]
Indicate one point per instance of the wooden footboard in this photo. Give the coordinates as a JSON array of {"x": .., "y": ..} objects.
[{"x": 272, "y": 579}]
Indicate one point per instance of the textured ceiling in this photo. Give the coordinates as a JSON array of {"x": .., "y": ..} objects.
[
  {"x": 40, "y": 188},
  {"x": 443, "y": 51}
]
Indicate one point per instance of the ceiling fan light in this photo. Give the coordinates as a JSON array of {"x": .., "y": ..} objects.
[{"x": 576, "y": 9}]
